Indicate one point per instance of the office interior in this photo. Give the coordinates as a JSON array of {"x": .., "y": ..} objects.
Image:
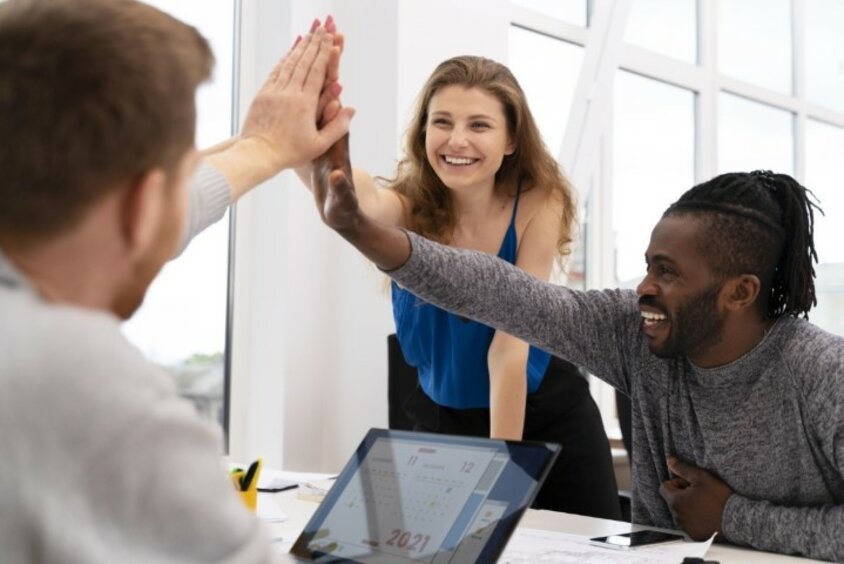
[{"x": 277, "y": 329}]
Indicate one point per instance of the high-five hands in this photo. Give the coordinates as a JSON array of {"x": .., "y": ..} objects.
[
  {"x": 334, "y": 189},
  {"x": 331, "y": 179},
  {"x": 295, "y": 117},
  {"x": 283, "y": 119},
  {"x": 696, "y": 498}
]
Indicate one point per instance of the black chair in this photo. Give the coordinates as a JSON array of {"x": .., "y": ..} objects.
[{"x": 401, "y": 382}]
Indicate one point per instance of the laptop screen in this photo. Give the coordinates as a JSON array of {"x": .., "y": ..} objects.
[{"x": 418, "y": 497}]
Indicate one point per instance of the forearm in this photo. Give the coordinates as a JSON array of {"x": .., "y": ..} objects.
[
  {"x": 507, "y": 401},
  {"x": 243, "y": 163},
  {"x": 815, "y": 532},
  {"x": 221, "y": 146},
  {"x": 386, "y": 246}
]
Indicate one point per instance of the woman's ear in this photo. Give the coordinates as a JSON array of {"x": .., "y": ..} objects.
[{"x": 143, "y": 209}]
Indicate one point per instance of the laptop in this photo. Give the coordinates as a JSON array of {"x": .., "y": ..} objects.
[{"x": 419, "y": 497}]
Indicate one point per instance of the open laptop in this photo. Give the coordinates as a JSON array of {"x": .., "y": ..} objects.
[{"x": 419, "y": 497}]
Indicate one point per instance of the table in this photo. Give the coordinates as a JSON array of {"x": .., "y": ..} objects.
[{"x": 299, "y": 512}]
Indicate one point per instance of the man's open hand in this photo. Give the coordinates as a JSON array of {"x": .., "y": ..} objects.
[{"x": 334, "y": 189}]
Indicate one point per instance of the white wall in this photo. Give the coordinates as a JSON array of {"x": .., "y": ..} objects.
[{"x": 311, "y": 316}]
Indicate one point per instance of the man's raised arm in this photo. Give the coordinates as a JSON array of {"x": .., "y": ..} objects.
[
  {"x": 480, "y": 286},
  {"x": 388, "y": 247}
]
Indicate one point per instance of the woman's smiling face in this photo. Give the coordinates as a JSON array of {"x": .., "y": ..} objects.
[{"x": 466, "y": 137}]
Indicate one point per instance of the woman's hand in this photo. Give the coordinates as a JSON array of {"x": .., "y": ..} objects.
[{"x": 282, "y": 123}]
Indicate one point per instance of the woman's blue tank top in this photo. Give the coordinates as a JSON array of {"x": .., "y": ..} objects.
[{"x": 450, "y": 352}]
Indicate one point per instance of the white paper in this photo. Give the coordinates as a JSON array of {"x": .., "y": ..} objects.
[
  {"x": 268, "y": 509},
  {"x": 272, "y": 479},
  {"x": 531, "y": 546}
]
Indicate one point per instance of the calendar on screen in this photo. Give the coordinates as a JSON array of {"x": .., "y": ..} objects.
[{"x": 413, "y": 497}]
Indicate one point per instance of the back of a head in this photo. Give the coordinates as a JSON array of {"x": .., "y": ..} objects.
[
  {"x": 93, "y": 93},
  {"x": 758, "y": 223}
]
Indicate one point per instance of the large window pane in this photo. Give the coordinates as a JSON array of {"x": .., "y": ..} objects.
[
  {"x": 825, "y": 53},
  {"x": 573, "y": 11},
  {"x": 653, "y": 163},
  {"x": 181, "y": 325},
  {"x": 754, "y": 136},
  {"x": 547, "y": 70},
  {"x": 668, "y": 27},
  {"x": 754, "y": 42},
  {"x": 824, "y": 173},
  {"x": 532, "y": 58}
]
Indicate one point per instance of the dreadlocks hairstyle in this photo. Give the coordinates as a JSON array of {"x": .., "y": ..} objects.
[{"x": 759, "y": 223}]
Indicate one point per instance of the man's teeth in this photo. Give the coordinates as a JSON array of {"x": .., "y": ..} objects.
[
  {"x": 459, "y": 160},
  {"x": 653, "y": 317}
]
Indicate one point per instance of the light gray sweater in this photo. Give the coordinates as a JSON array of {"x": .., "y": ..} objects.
[
  {"x": 100, "y": 459},
  {"x": 770, "y": 424}
]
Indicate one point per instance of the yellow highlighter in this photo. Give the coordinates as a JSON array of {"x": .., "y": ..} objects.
[{"x": 247, "y": 484}]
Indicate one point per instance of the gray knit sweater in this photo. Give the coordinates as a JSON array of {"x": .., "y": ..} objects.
[{"x": 770, "y": 424}]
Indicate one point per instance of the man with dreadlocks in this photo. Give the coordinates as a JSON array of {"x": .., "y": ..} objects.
[{"x": 738, "y": 403}]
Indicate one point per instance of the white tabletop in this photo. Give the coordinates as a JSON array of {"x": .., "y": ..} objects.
[{"x": 299, "y": 512}]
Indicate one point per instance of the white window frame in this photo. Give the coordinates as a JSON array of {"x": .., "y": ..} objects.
[{"x": 704, "y": 80}]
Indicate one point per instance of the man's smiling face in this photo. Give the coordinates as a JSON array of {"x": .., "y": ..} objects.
[{"x": 679, "y": 296}]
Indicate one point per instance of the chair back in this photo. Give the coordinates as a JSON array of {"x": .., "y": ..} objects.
[{"x": 401, "y": 381}]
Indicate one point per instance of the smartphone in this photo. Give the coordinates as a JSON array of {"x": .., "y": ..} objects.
[{"x": 636, "y": 539}]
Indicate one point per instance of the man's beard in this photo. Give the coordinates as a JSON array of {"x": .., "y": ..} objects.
[{"x": 695, "y": 327}]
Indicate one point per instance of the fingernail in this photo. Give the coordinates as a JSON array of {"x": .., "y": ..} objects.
[
  {"x": 298, "y": 40},
  {"x": 315, "y": 25}
]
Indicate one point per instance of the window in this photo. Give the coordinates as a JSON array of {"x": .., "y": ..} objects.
[
  {"x": 825, "y": 53},
  {"x": 182, "y": 324},
  {"x": 549, "y": 95},
  {"x": 754, "y": 136},
  {"x": 547, "y": 70},
  {"x": 668, "y": 27},
  {"x": 824, "y": 170},
  {"x": 573, "y": 11},
  {"x": 653, "y": 163},
  {"x": 755, "y": 42}
]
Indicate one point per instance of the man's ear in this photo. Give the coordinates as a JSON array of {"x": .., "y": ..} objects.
[
  {"x": 741, "y": 292},
  {"x": 143, "y": 208}
]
